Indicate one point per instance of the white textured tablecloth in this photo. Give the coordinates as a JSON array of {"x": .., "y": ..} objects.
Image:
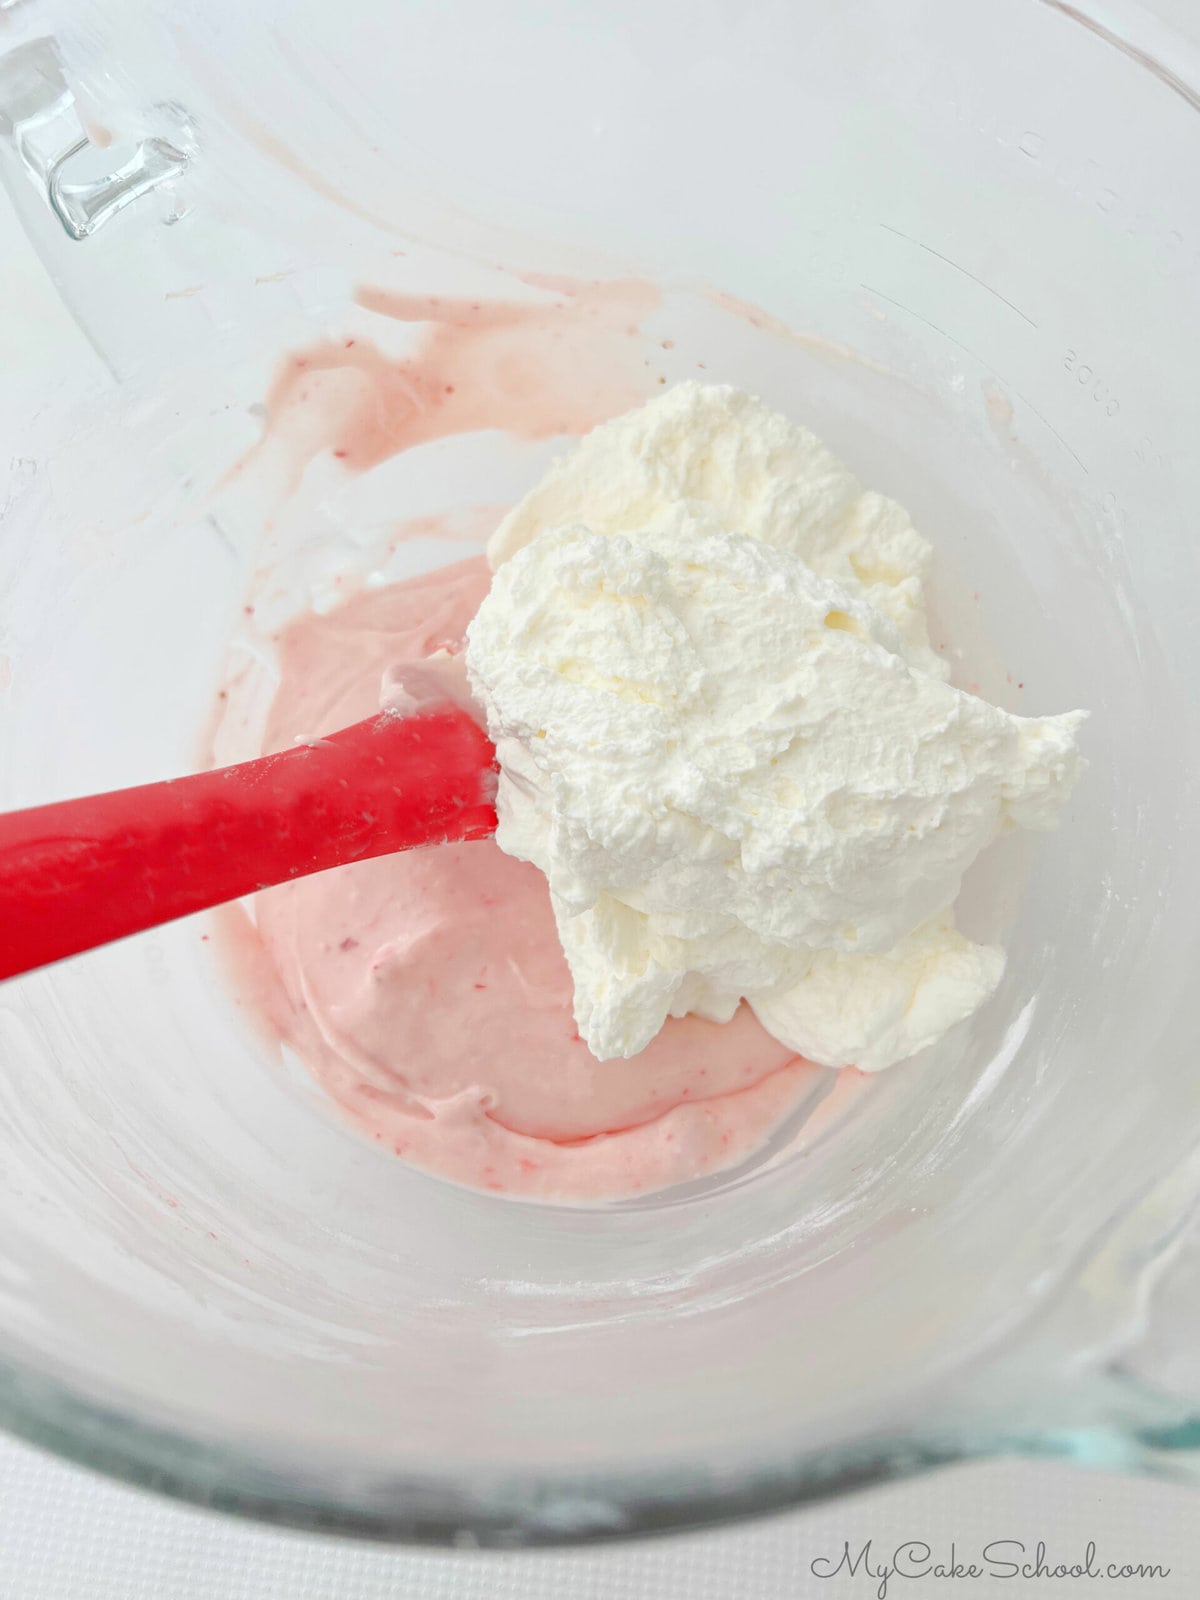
[{"x": 68, "y": 1535}]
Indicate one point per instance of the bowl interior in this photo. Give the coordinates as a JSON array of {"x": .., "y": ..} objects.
[{"x": 910, "y": 237}]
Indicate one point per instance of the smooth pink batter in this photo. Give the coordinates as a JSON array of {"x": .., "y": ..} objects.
[{"x": 428, "y": 993}]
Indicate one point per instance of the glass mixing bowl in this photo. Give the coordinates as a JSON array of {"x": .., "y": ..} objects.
[{"x": 962, "y": 243}]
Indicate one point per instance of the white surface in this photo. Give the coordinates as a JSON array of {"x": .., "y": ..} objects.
[{"x": 67, "y": 1535}]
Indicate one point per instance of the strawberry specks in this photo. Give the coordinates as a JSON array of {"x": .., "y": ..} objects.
[{"x": 477, "y": 365}]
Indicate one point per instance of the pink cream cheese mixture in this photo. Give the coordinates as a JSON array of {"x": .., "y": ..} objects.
[{"x": 427, "y": 992}]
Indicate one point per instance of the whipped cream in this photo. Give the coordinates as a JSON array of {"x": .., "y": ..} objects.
[{"x": 724, "y": 739}]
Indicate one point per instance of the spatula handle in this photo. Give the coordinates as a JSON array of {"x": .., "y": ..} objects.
[{"x": 84, "y": 872}]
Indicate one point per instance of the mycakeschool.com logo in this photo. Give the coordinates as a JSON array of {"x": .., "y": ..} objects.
[{"x": 887, "y": 1570}]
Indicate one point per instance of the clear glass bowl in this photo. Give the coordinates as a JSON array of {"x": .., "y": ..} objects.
[{"x": 973, "y": 238}]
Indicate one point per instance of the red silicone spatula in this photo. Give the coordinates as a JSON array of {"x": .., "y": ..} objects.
[{"x": 84, "y": 872}]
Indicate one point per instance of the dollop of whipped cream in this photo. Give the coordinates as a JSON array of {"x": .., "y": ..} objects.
[{"x": 724, "y": 738}]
